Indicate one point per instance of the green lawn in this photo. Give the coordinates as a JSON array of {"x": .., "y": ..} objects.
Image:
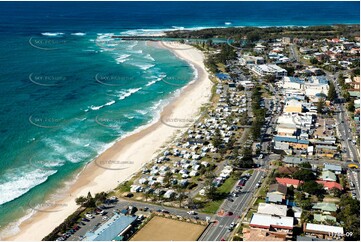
[
  {"x": 212, "y": 207},
  {"x": 227, "y": 185}
]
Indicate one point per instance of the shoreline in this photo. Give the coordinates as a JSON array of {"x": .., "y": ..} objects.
[{"x": 149, "y": 140}]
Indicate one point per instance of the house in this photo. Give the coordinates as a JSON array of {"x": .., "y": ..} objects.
[
  {"x": 289, "y": 182},
  {"x": 331, "y": 167},
  {"x": 325, "y": 207},
  {"x": 328, "y": 176},
  {"x": 288, "y": 170},
  {"x": 327, "y": 185},
  {"x": 274, "y": 198},
  {"x": 272, "y": 209},
  {"x": 323, "y": 218},
  {"x": 271, "y": 222},
  {"x": 278, "y": 189},
  {"x": 223, "y": 76},
  {"x": 323, "y": 231},
  {"x": 297, "y": 212},
  {"x": 293, "y": 160}
]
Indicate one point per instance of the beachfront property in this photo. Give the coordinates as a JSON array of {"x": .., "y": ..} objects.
[{"x": 114, "y": 229}]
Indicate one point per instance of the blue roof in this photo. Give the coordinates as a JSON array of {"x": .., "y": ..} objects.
[
  {"x": 290, "y": 139},
  {"x": 296, "y": 80},
  {"x": 223, "y": 76},
  {"x": 321, "y": 79},
  {"x": 321, "y": 94},
  {"x": 110, "y": 229}
]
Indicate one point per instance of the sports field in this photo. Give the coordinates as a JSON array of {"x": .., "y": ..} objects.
[{"x": 159, "y": 228}]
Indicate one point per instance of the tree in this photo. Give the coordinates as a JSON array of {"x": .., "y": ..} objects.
[
  {"x": 351, "y": 107},
  {"x": 305, "y": 173},
  {"x": 349, "y": 210},
  {"x": 181, "y": 194},
  {"x": 336, "y": 192},
  {"x": 217, "y": 138},
  {"x": 87, "y": 201},
  {"x": 312, "y": 187},
  {"x": 314, "y": 61},
  {"x": 167, "y": 177},
  {"x": 244, "y": 118},
  {"x": 210, "y": 189},
  {"x": 81, "y": 200},
  {"x": 332, "y": 94},
  {"x": 320, "y": 105},
  {"x": 100, "y": 197}
]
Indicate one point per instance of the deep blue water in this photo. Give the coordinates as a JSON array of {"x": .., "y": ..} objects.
[{"x": 68, "y": 90}]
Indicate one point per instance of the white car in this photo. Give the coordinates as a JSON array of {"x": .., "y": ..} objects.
[{"x": 192, "y": 212}]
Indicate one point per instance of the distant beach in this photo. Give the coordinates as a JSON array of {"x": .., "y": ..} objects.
[{"x": 140, "y": 148}]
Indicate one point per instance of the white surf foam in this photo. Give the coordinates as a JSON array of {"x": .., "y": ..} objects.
[
  {"x": 21, "y": 180},
  {"x": 78, "y": 34},
  {"x": 53, "y": 34}
]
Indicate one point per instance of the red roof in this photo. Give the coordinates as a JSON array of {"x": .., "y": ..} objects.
[
  {"x": 329, "y": 185},
  {"x": 288, "y": 181}
]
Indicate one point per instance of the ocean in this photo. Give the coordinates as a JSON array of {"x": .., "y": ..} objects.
[{"x": 69, "y": 90}]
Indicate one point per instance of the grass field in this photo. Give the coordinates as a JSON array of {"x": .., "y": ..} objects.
[{"x": 159, "y": 228}]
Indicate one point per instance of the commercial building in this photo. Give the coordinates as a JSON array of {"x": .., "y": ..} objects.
[
  {"x": 268, "y": 70},
  {"x": 115, "y": 227}
]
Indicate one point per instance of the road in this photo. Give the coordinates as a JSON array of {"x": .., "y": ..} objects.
[
  {"x": 344, "y": 132},
  {"x": 343, "y": 125},
  {"x": 219, "y": 229}
]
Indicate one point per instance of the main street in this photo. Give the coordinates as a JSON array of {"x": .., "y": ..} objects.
[
  {"x": 219, "y": 229},
  {"x": 346, "y": 136}
]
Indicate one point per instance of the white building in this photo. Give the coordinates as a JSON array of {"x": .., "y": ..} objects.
[{"x": 268, "y": 69}]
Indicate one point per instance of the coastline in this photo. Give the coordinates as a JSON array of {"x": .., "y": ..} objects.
[{"x": 139, "y": 148}]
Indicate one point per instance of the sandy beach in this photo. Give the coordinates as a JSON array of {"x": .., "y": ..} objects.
[{"x": 137, "y": 149}]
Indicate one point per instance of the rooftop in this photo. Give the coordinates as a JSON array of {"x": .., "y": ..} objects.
[
  {"x": 267, "y": 221},
  {"x": 278, "y": 188},
  {"x": 330, "y": 184},
  {"x": 110, "y": 229},
  {"x": 288, "y": 181},
  {"x": 323, "y": 228},
  {"x": 330, "y": 207},
  {"x": 272, "y": 209}
]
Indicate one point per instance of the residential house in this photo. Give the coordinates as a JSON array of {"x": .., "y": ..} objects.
[
  {"x": 331, "y": 167},
  {"x": 323, "y": 231},
  {"x": 328, "y": 176},
  {"x": 287, "y": 170},
  {"x": 289, "y": 182},
  {"x": 329, "y": 185},
  {"x": 272, "y": 209},
  {"x": 325, "y": 207},
  {"x": 293, "y": 160},
  {"x": 323, "y": 218}
]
